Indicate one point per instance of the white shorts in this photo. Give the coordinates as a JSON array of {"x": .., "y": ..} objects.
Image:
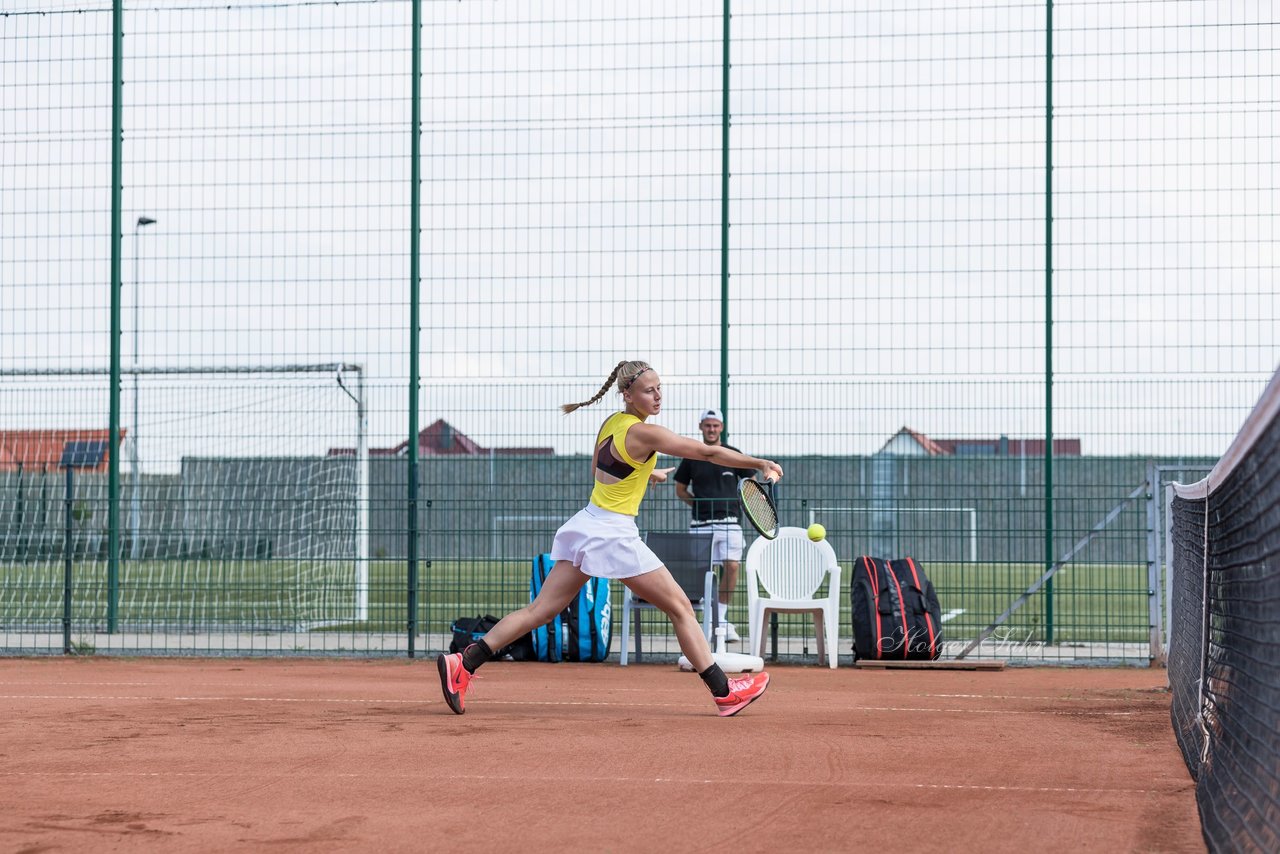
[
  {"x": 726, "y": 541},
  {"x": 604, "y": 544}
]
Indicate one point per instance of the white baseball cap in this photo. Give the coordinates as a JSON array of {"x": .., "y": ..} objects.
[{"x": 711, "y": 413}]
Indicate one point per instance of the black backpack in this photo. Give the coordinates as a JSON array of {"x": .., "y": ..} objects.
[
  {"x": 896, "y": 614},
  {"x": 468, "y": 630}
]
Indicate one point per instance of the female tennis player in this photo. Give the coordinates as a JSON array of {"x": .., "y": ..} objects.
[{"x": 602, "y": 541}]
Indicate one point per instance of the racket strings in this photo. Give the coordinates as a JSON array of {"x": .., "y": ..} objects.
[{"x": 760, "y": 508}]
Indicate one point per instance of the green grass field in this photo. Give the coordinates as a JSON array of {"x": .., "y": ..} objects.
[{"x": 1093, "y": 603}]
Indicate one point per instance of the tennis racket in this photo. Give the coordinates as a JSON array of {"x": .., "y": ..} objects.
[{"x": 757, "y": 502}]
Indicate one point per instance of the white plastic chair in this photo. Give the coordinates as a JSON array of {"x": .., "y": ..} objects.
[
  {"x": 687, "y": 556},
  {"x": 790, "y": 570}
]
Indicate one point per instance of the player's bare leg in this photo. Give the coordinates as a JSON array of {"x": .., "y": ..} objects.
[
  {"x": 659, "y": 589},
  {"x": 731, "y": 695},
  {"x": 562, "y": 584}
]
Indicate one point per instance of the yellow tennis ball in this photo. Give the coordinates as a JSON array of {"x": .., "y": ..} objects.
[{"x": 817, "y": 533}]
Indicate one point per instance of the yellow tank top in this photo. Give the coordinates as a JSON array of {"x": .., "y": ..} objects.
[{"x": 627, "y": 479}]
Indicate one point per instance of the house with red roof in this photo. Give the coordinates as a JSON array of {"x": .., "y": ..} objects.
[
  {"x": 41, "y": 450},
  {"x": 912, "y": 443}
]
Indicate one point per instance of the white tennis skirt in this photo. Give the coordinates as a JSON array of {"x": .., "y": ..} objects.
[{"x": 603, "y": 543}]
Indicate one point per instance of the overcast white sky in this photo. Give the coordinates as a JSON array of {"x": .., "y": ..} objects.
[{"x": 887, "y": 205}]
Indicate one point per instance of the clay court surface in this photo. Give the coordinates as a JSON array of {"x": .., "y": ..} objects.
[{"x": 311, "y": 755}]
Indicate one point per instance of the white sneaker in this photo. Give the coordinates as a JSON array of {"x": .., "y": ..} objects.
[{"x": 730, "y": 633}]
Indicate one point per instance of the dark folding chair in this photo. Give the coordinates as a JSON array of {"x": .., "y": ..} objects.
[{"x": 687, "y": 556}]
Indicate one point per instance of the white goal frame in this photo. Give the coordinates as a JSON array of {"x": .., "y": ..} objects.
[{"x": 338, "y": 369}]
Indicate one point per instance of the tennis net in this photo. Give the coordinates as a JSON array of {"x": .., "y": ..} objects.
[{"x": 1224, "y": 651}]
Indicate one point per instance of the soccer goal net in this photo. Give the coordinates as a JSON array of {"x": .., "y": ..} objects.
[{"x": 242, "y": 498}]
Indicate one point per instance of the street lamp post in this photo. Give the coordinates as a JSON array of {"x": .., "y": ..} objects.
[{"x": 135, "y": 508}]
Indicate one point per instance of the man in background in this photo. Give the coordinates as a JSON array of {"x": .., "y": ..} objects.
[{"x": 712, "y": 491}]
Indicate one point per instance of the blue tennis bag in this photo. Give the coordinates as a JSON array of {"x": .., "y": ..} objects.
[
  {"x": 546, "y": 639},
  {"x": 588, "y": 623},
  {"x": 584, "y": 630}
]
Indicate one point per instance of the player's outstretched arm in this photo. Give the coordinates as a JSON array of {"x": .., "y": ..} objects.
[{"x": 644, "y": 439}]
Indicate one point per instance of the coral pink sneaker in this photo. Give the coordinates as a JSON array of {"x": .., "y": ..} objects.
[
  {"x": 454, "y": 680},
  {"x": 742, "y": 693}
]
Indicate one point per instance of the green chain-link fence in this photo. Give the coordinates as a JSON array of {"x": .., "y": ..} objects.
[{"x": 901, "y": 248}]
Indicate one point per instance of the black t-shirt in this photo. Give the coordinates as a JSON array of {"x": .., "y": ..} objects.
[{"x": 714, "y": 487}]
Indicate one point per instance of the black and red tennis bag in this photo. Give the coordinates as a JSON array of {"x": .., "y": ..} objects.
[{"x": 896, "y": 614}]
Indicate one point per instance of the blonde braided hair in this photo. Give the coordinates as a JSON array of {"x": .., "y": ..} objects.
[{"x": 624, "y": 372}]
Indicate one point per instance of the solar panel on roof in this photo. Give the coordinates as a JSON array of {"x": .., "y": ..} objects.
[{"x": 84, "y": 454}]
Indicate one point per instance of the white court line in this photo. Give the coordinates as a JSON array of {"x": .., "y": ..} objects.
[
  {"x": 984, "y": 711},
  {"x": 1018, "y": 697},
  {"x": 523, "y": 703},
  {"x": 60, "y": 683},
  {"x": 200, "y": 699},
  {"x": 561, "y": 780},
  {"x": 431, "y": 701},
  {"x": 952, "y": 614},
  {"x": 849, "y": 708}
]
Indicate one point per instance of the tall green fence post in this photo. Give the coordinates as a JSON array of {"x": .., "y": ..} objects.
[
  {"x": 113, "y": 468},
  {"x": 68, "y": 545},
  {"x": 724, "y": 228},
  {"x": 1048, "y": 323},
  {"x": 415, "y": 122}
]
